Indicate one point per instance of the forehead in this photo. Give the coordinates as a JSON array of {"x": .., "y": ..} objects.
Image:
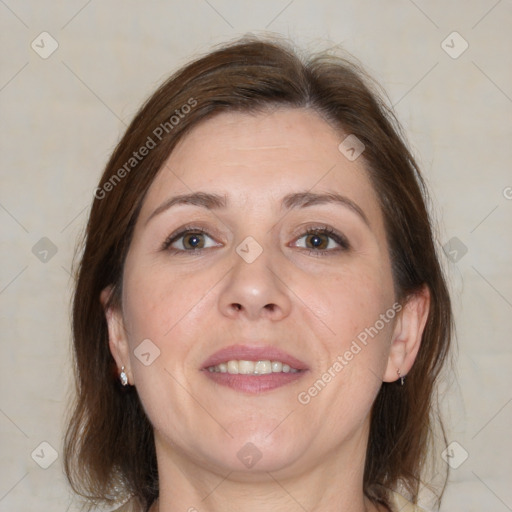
[{"x": 259, "y": 158}]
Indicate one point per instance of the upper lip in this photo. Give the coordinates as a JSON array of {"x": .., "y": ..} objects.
[{"x": 253, "y": 353}]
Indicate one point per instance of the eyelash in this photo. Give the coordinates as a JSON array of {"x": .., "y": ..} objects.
[
  {"x": 317, "y": 230},
  {"x": 166, "y": 246},
  {"x": 331, "y": 233}
]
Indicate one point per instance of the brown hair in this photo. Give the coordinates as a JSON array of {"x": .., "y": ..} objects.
[{"x": 109, "y": 447}]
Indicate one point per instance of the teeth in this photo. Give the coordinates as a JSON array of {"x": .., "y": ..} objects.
[
  {"x": 243, "y": 367},
  {"x": 263, "y": 367},
  {"x": 277, "y": 366},
  {"x": 232, "y": 367}
]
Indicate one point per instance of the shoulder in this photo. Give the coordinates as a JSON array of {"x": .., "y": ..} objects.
[
  {"x": 400, "y": 504},
  {"x": 131, "y": 505}
]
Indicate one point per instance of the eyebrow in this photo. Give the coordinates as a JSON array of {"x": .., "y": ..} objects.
[
  {"x": 291, "y": 201},
  {"x": 305, "y": 199},
  {"x": 203, "y": 199}
]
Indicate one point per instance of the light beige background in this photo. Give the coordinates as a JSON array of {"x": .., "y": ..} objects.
[{"x": 61, "y": 117}]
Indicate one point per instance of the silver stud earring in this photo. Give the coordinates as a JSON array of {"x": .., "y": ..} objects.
[
  {"x": 402, "y": 379},
  {"x": 123, "y": 377}
]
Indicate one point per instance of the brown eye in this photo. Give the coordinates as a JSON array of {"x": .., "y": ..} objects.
[
  {"x": 193, "y": 241},
  {"x": 189, "y": 240},
  {"x": 317, "y": 241},
  {"x": 322, "y": 241}
]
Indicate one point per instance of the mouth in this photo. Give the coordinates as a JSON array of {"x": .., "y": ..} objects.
[{"x": 253, "y": 369}]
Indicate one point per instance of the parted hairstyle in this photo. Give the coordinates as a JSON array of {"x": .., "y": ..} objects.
[{"x": 109, "y": 445}]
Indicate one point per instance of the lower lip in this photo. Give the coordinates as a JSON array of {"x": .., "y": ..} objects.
[{"x": 254, "y": 383}]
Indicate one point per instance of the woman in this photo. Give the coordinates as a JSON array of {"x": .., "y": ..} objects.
[{"x": 258, "y": 278}]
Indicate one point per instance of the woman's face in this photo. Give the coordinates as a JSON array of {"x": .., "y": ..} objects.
[{"x": 285, "y": 251}]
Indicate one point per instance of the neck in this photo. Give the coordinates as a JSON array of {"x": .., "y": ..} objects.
[{"x": 332, "y": 486}]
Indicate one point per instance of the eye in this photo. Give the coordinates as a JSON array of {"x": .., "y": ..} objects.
[
  {"x": 189, "y": 240},
  {"x": 322, "y": 240}
]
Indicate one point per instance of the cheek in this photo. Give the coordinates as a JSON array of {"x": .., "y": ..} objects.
[
  {"x": 357, "y": 307},
  {"x": 171, "y": 310},
  {"x": 157, "y": 308},
  {"x": 349, "y": 375},
  {"x": 156, "y": 300},
  {"x": 151, "y": 309},
  {"x": 351, "y": 301}
]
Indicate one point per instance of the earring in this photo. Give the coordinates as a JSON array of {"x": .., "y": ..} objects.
[
  {"x": 402, "y": 379},
  {"x": 123, "y": 377}
]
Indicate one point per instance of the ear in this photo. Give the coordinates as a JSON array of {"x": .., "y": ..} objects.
[
  {"x": 407, "y": 334},
  {"x": 117, "y": 339}
]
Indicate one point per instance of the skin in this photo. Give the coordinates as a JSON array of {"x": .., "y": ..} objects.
[{"x": 192, "y": 304}]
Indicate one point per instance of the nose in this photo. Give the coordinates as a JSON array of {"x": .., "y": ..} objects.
[{"x": 255, "y": 290}]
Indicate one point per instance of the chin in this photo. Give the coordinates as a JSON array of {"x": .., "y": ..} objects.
[{"x": 257, "y": 454}]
